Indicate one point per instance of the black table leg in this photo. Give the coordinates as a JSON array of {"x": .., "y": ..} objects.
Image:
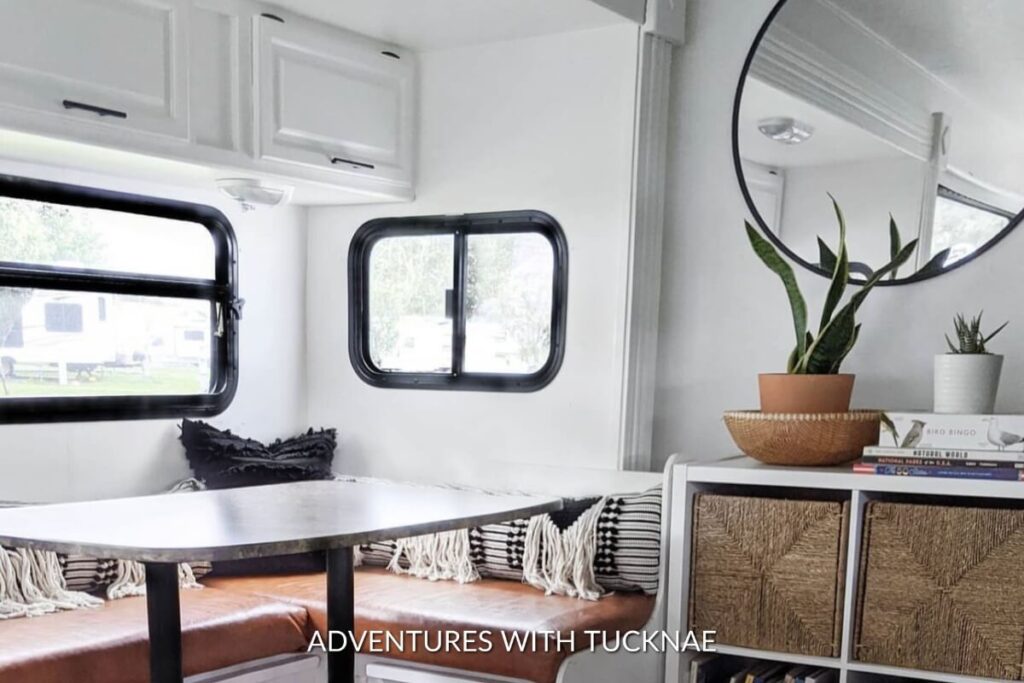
[
  {"x": 164, "y": 611},
  {"x": 340, "y": 614}
]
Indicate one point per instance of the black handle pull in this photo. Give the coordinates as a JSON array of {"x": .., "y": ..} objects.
[
  {"x": 449, "y": 303},
  {"x": 350, "y": 162},
  {"x": 99, "y": 111}
]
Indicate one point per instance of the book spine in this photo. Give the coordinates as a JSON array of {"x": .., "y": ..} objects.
[
  {"x": 938, "y": 462},
  {"x": 961, "y": 454},
  {"x": 1000, "y": 474}
]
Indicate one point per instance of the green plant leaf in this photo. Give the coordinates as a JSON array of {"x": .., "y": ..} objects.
[
  {"x": 770, "y": 257},
  {"x": 840, "y": 273},
  {"x": 895, "y": 242},
  {"x": 952, "y": 348},
  {"x": 833, "y": 341},
  {"x": 849, "y": 347},
  {"x": 999, "y": 329},
  {"x": 826, "y": 257},
  {"x": 935, "y": 264}
]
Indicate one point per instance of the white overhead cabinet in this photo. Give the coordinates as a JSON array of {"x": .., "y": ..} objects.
[
  {"x": 334, "y": 100},
  {"x": 73, "y": 65},
  {"x": 234, "y": 87}
]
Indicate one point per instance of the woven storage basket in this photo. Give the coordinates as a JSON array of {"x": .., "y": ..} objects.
[
  {"x": 768, "y": 574},
  {"x": 814, "y": 439},
  {"x": 942, "y": 589}
]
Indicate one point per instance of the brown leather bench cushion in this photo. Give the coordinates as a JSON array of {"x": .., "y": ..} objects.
[
  {"x": 110, "y": 644},
  {"x": 392, "y": 603}
]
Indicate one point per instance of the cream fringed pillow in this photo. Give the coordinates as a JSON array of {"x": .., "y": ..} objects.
[{"x": 588, "y": 548}]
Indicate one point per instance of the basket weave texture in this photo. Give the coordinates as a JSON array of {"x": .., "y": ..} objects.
[
  {"x": 767, "y": 573},
  {"x": 811, "y": 439},
  {"x": 942, "y": 589}
]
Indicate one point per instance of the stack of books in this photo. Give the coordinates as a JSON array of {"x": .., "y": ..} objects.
[
  {"x": 957, "y": 446},
  {"x": 709, "y": 668}
]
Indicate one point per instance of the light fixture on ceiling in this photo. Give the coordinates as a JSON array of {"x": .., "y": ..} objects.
[
  {"x": 785, "y": 129},
  {"x": 253, "y": 192}
]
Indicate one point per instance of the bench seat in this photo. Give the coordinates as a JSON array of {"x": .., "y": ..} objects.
[
  {"x": 110, "y": 644},
  {"x": 391, "y": 603}
]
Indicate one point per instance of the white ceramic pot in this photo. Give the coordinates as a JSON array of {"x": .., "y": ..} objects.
[{"x": 966, "y": 383}]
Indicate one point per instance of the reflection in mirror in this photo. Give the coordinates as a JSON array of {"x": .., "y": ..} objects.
[{"x": 899, "y": 108}]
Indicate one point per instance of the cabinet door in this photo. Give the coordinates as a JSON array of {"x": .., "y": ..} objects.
[
  {"x": 334, "y": 100},
  {"x": 119, "y": 63}
]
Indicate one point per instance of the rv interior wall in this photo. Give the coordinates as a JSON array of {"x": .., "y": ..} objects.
[
  {"x": 543, "y": 123},
  {"x": 724, "y": 317},
  {"x": 77, "y": 461}
]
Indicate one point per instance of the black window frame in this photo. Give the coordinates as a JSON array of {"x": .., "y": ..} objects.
[
  {"x": 460, "y": 227},
  {"x": 954, "y": 196},
  {"x": 221, "y": 293}
]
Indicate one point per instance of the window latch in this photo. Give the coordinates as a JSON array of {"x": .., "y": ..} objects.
[
  {"x": 449, "y": 303},
  {"x": 236, "y": 308}
]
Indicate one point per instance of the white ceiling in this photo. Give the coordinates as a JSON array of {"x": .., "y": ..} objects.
[
  {"x": 437, "y": 24},
  {"x": 835, "y": 141},
  {"x": 972, "y": 45}
]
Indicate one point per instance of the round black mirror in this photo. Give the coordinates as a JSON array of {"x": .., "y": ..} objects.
[{"x": 901, "y": 110}]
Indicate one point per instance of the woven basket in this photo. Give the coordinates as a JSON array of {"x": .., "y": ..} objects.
[
  {"x": 942, "y": 589},
  {"x": 813, "y": 439},
  {"x": 768, "y": 573}
]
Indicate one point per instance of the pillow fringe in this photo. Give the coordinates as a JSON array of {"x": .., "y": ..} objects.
[
  {"x": 436, "y": 557},
  {"x": 562, "y": 562},
  {"x": 32, "y": 584},
  {"x": 131, "y": 580}
]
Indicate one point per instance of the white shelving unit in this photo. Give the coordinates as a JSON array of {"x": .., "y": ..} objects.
[{"x": 694, "y": 477}]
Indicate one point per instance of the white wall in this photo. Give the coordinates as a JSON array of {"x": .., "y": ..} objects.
[
  {"x": 544, "y": 123},
  {"x": 74, "y": 461},
  {"x": 724, "y": 317}
]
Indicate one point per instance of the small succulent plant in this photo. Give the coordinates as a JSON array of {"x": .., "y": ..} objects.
[{"x": 969, "y": 337}]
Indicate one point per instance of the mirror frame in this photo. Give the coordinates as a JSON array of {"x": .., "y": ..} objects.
[{"x": 775, "y": 239}]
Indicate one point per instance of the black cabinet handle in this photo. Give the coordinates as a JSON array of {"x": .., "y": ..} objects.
[
  {"x": 99, "y": 111},
  {"x": 360, "y": 164}
]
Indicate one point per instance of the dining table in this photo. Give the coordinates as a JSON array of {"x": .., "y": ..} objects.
[{"x": 333, "y": 516}]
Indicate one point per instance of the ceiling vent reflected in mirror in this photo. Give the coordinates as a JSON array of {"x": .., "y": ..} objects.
[
  {"x": 915, "y": 117},
  {"x": 786, "y": 130}
]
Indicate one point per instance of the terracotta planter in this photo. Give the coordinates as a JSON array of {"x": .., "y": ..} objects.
[{"x": 785, "y": 393}]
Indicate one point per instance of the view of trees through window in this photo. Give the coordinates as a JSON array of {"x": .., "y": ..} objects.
[
  {"x": 508, "y": 303},
  {"x": 963, "y": 228},
  {"x": 70, "y": 343}
]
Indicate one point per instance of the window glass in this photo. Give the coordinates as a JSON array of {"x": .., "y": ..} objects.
[
  {"x": 42, "y": 233},
  {"x": 59, "y": 343},
  {"x": 962, "y": 226},
  {"x": 508, "y": 302},
  {"x": 127, "y": 311},
  {"x": 409, "y": 302},
  {"x": 469, "y": 301}
]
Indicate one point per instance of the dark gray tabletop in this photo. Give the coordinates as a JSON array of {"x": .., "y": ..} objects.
[{"x": 255, "y": 522}]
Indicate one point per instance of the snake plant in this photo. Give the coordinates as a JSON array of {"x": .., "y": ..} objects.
[
  {"x": 823, "y": 352},
  {"x": 969, "y": 337}
]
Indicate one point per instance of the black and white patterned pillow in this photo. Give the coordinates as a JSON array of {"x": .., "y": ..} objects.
[
  {"x": 628, "y": 556},
  {"x": 629, "y": 542},
  {"x": 497, "y": 549},
  {"x": 378, "y": 553}
]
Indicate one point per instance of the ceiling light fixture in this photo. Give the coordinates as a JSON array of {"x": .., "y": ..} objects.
[
  {"x": 252, "y": 192},
  {"x": 785, "y": 129}
]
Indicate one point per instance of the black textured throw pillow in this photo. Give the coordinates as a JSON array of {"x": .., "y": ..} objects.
[{"x": 224, "y": 460}]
